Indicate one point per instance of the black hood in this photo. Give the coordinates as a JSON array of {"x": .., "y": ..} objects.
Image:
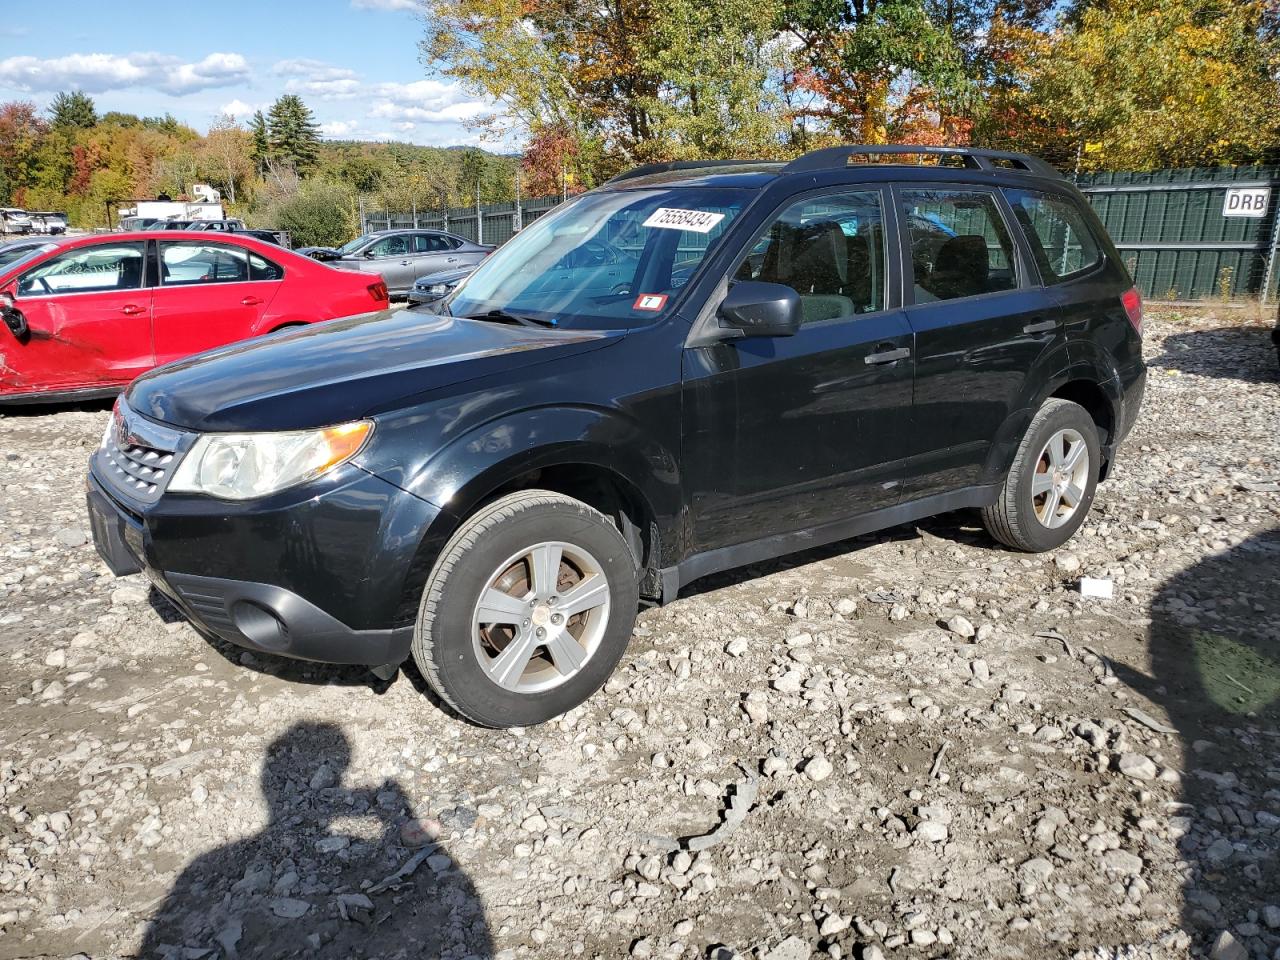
[{"x": 341, "y": 370}]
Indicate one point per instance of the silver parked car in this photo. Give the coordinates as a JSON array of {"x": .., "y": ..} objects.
[{"x": 401, "y": 256}]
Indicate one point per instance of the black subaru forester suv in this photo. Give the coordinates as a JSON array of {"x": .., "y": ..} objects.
[{"x": 694, "y": 367}]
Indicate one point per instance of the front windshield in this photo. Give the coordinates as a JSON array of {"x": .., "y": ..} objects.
[
  {"x": 611, "y": 259},
  {"x": 351, "y": 246}
]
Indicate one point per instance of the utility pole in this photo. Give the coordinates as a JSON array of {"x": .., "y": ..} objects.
[{"x": 517, "y": 217}]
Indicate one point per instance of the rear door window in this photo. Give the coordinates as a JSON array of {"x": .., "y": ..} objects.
[
  {"x": 1061, "y": 242},
  {"x": 185, "y": 263},
  {"x": 429, "y": 243},
  {"x": 260, "y": 268},
  {"x": 960, "y": 246}
]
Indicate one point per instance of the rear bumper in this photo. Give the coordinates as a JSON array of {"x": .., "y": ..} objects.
[
  {"x": 1133, "y": 387},
  {"x": 316, "y": 574}
]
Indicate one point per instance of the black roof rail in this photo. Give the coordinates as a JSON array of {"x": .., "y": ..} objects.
[
  {"x": 977, "y": 159},
  {"x": 651, "y": 168}
]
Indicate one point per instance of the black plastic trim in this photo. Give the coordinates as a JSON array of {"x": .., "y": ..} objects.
[
  {"x": 271, "y": 619},
  {"x": 768, "y": 548}
]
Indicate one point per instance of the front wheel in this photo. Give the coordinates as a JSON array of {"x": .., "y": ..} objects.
[
  {"x": 527, "y": 611},
  {"x": 1051, "y": 484}
]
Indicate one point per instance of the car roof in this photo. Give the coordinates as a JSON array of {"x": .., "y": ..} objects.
[
  {"x": 858, "y": 163},
  {"x": 38, "y": 239},
  {"x": 172, "y": 236},
  {"x": 395, "y": 230},
  {"x": 749, "y": 175}
]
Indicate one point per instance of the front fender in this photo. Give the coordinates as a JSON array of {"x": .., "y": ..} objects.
[{"x": 463, "y": 473}]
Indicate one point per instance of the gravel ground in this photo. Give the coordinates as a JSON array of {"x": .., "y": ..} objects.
[{"x": 909, "y": 745}]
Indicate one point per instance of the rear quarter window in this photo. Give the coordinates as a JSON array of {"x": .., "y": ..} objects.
[{"x": 1060, "y": 237}]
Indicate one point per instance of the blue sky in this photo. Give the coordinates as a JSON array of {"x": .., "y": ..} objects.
[{"x": 354, "y": 62}]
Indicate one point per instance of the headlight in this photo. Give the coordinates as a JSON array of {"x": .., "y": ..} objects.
[
  {"x": 238, "y": 466},
  {"x": 438, "y": 289}
]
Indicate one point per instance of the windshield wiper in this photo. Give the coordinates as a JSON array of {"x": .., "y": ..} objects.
[{"x": 502, "y": 316}]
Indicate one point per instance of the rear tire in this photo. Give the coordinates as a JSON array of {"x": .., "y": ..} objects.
[
  {"x": 1051, "y": 484},
  {"x": 542, "y": 578}
]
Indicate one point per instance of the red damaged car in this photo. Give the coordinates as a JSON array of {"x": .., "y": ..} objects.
[{"x": 88, "y": 315}]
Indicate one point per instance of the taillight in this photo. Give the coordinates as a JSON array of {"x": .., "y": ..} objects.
[
  {"x": 1131, "y": 299},
  {"x": 379, "y": 291}
]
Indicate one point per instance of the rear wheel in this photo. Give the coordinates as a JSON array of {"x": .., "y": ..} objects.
[
  {"x": 1052, "y": 481},
  {"x": 527, "y": 611}
]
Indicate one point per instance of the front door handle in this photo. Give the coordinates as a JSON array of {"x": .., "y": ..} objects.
[
  {"x": 888, "y": 356},
  {"x": 250, "y": 301},
  {"x": 452, "y": 260},
  {"x": 1041, "y": 326},
  {"x": 131, "y": 310},
  {"x": 406, "y": 263}
]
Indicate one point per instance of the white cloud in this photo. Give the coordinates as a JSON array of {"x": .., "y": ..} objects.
[
  {"x": 239, "y": 109},
  {"x": 101, "y": 72},
  {"x": 424, "y": 101},
  {"x": 410, "y": 5},
  {"x": 339, "y": 128}
]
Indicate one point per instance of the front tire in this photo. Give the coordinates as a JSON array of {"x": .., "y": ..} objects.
[
  {"x": 527, "y": 611},
  {"x": 1051, "y": 484}
]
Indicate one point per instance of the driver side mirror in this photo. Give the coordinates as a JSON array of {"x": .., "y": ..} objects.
[
  {"x": 758, "y": 309},
  {"x": 369, "y": 254},
  {"x": 13, "y": 318}
]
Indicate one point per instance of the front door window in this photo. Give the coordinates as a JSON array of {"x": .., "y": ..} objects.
[
  {"x": 830, "y": 250},
  {"x": 94, "y": 269}
]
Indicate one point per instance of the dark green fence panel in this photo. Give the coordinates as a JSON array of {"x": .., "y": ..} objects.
[{"x": 1170, "y": 230}]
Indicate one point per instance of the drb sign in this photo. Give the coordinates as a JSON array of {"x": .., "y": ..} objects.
[{"x": 1246, "y": 202}]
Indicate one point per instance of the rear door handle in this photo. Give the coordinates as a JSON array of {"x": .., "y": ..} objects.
[
  {"x": 888, "y": 356},
  {"x": 250, "y": 301},
  {"x": 131, "y": 310},
  {"x": 1041, "y": 326},
  {"x": 406, "y": 263},
  {"x": 452, "y": 260}
]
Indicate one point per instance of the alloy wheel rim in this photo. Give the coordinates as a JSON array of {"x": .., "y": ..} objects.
[
  {"x": 540, "y": 617},
  {"x": 1061, "y": 478}
]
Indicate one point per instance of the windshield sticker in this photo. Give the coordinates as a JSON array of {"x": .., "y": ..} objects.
[
  {"x": 673, "y": 218},
  {"x": 650, "y": 301}
]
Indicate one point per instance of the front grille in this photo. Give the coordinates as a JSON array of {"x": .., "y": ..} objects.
[
  {"x": 139, "y": 456},
  {"x": 138, "y": 468}
]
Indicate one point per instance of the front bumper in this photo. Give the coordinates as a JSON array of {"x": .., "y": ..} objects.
[
  {"x": 317, "y": 574},
  {"x": 421, "y": 296}
]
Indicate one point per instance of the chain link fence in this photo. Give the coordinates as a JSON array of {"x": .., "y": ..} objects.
[
  {"x": 1203, "y": 233},
  {"x": 494, "y": 223}
]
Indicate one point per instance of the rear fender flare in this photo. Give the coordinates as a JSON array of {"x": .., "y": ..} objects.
[{"x": 1056, "y": 368}]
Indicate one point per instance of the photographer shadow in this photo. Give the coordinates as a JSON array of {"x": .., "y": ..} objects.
[
  {"x": 301, "y": 888},
  {"x": 1214, "y": 649}
]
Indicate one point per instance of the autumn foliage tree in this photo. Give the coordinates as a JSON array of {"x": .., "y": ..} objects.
[{"x": 605, "y": 85}]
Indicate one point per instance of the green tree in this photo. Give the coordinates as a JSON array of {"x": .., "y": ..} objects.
[
  {"x": 21, "y": 130},
  {"x": 226, "y": 157},
  {"x": 1141, "y": 84},
  {"x": 293, "y": 134},
  {"x": 261, "y": 142},
  {"x": 320, "y": 214},
  {"x": 74, "y": 109},
  {"x": 623, "y": 82}
]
